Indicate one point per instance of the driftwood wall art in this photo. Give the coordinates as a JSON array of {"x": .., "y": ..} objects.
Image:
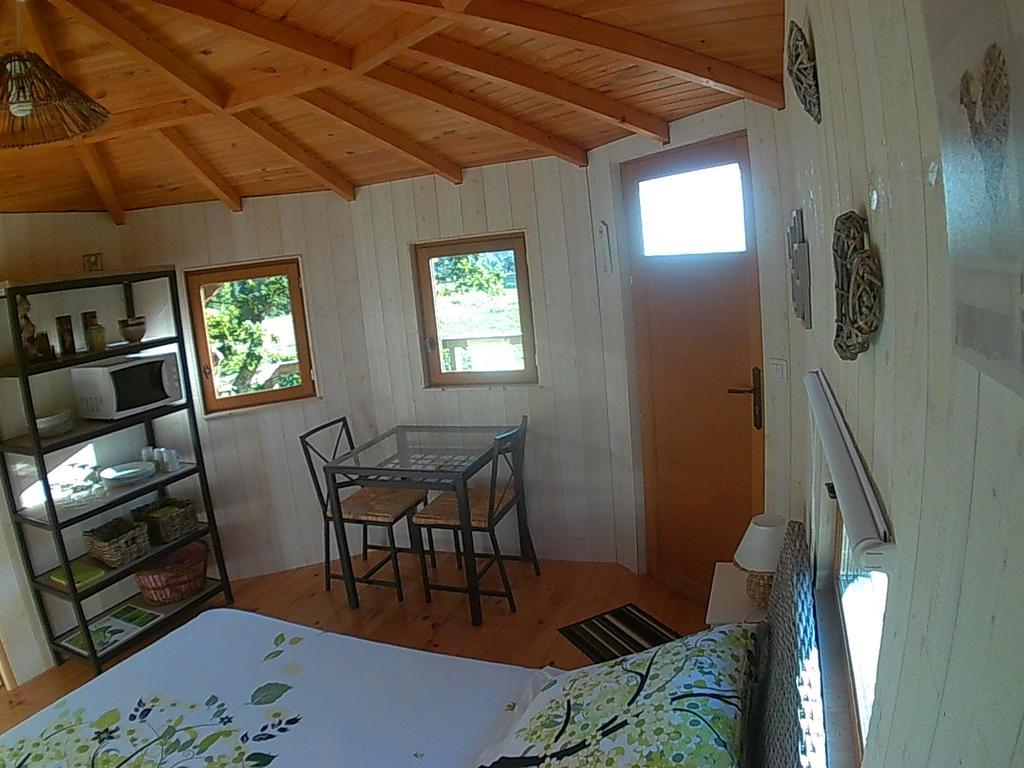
[
  {"x": 799, "y": 255},
  {"x": 858, "y": 286},
  {"x": 802, "y": 67}
]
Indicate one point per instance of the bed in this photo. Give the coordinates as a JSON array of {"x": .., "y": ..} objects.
[{"x": 235, "y": 688}]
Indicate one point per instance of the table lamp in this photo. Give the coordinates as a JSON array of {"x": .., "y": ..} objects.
[{"x": 758, "y": 555}]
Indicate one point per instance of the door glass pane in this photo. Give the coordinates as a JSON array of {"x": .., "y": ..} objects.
[
  {"x": 862, "y": 597},
  {"x": 694, "y": 212},
  {"x": 251, "y": 335},
  {"x": 476, "y": 303}
]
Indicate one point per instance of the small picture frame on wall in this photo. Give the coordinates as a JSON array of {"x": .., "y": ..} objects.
[{"x": 65, "y": 335}]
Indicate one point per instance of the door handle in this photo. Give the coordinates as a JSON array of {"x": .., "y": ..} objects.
[{"x": 755, "y": 389}]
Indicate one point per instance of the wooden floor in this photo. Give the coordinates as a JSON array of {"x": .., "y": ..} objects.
[{"x": 564, "y": 593}]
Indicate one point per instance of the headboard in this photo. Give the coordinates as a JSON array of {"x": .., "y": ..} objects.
[{"x": 792, "y": 726}]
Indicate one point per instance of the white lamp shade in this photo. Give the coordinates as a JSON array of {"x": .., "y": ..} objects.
[{"x": 759, "y": 550}]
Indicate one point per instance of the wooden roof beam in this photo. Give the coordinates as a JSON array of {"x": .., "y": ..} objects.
[
  {"x": 604, "y": 38},
  {"x": 477, "y": 61},
  {"x": 384, "y": 135},
  {"x": 428, "y": 91},
  {"x": 396, "y": 37},
  {"x": 88, "y": 156},
  {"x": 93, "y": 164},
  {"x": 260, "y": 29},
  {"x": 110, "y": 24},
  {"x": 299, "y": 155},
  {"x": 199, "y": 167}
]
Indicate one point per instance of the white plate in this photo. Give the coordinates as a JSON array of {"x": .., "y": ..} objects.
[{"x": 132, "y": 472}]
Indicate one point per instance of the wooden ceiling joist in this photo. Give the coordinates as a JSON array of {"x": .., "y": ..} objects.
[
  {"x": 87, "y": 156},
  {"x": 384, "y": 135},
  {"x": 548, "y": 66},
  {"x": 100, "y": 179},
  {"x": 396, "y": 37},
  {"x": 199, "y": 167},
  {"x": 479, "y": 62},
  {"x": 301, "y": 156},
  {"x": 114, "y": 27},
  {"x": 261, "y": 29},
  {"x": 604, "y": 38},
  {"x": 424, "y": 89}
]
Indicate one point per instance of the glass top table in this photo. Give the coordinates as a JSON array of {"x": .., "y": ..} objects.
[
  {"x": 429, "y": 458},
  {"x": 418, "y": 454}
]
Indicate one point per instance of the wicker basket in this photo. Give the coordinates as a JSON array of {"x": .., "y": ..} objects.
[
  {"x": 759, "y": 587},
  {"x": 176, "y": 577},
  {"x": 168, "y": 519},
  {"x": 122, "y": 550}
]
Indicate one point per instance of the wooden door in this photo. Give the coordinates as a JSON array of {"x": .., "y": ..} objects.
[{"x": 698, "y": 325}]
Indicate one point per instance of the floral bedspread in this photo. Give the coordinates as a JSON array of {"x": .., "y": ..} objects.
[{"x": 236, "y": 689}]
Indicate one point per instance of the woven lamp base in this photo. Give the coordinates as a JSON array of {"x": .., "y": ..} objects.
[{"x": 759, "y": 587}]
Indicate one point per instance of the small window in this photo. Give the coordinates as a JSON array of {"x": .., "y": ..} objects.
[
  {"x": 862, "y": 596},
  {"x": 249, "y": 325},
  {"x": 694, "y": 212},
  {"x": 476, "y": 322},
  {"x": 690, "y": 201}
]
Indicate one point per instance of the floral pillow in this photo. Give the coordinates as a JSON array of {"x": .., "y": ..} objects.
[{"x": 680, "y": 704}]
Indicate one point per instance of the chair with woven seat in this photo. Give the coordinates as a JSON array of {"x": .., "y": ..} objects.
[
  {"x": 487, "y": 508},
  {"x": 368, "y": 507}
]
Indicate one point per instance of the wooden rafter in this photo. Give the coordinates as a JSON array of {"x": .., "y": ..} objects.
[
  {"x": 180, "y": 147},
  {"x": 137, "y": 43},
  {"x": 90, "y": 159},
  {"x": 384, "y": 135},
  {"x": 405, "y": 31},
  {"x": 478, "y": 61},
  {"x": 424, "y": 89},
  {"x": 88, "y": 156},
  {"x": 297, "y": 154},
  {"x": 113, "y": 26},
  {"x": 604, "y": 38},
  {"x": 367, "y": 61},
  {"x": 261, "y": 29}
]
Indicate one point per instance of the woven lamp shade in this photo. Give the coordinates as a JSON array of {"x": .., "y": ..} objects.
[{"x": 38, "y": 106}]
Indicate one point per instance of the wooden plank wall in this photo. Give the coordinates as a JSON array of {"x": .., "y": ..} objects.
[
  {"x": 584, "y": 462},
  {"x": 945, "y": 444},
  {"x": 359, "y": 292}
]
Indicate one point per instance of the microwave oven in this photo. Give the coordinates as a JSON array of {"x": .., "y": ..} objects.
[{"x": 126, "y": 386}]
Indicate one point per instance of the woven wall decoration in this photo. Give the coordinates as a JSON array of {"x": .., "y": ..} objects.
[
  {"x": 991, "y": 128},
  {"x": 858, "y": 286},
  {"x": 802, "y": 67}
]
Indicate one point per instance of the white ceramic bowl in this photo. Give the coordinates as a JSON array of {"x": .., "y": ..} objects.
[{"x": 57, "y": 424}]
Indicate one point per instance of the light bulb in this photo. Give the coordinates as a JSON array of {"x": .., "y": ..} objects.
[{"x": 20, "y": 100}]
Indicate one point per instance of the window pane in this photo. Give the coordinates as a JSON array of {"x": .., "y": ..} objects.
[
  {"x": 862, "y": 600},
  {"x": 476, "y": 303},
  {"x": 251, "y": 335},
  {"x": 694, "y": 212}
]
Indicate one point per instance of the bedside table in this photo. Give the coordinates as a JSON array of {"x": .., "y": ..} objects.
[{"x": 729, "y": 602}]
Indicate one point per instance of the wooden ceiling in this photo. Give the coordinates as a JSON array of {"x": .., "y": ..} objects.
[{"x": 225, "y": 100}]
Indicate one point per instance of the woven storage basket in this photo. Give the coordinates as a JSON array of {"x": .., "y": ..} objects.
[
  {"x": 176, "y": 577},
  {"x": 122, "y": 550},
  {"x": 168, "y": 519}
]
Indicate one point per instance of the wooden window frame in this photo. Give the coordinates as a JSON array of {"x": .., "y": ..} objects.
[
  {"x": 291, "y": 268},
  {"x": 422, "y": 253}
]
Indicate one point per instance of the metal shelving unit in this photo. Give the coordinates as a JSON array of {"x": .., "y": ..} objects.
[{"x": 48, "y": 516}]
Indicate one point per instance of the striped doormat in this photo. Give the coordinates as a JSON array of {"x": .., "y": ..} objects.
[{"x": 618, "y": 632}]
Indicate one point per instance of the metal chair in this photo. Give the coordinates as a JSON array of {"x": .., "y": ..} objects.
[
  {"x": 380, "y": 507},
  {"x": 487, "y": 507}
]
